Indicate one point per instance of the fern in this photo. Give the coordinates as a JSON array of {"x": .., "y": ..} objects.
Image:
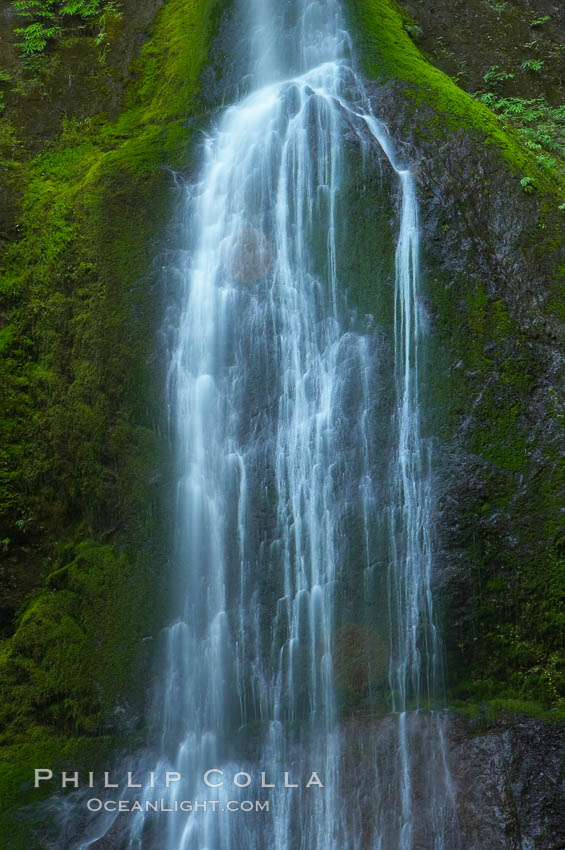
[
  {"x": 36, "y": 37},
  {"x": 82, "y": 8},
  {"x": 539, "y": 22},
  {"x": 49, "y": 19},
  {"x": 495, "y": 75},
  {"x": 541, "y": 126},
  {"x": 532, "y": 64}
]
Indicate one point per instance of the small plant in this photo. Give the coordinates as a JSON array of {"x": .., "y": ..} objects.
[
  {"x": 527, "y": 183},
  {"x": 539, "y": 22},
  {"x": 494, "y": 75},
  {"x": 83, "y": 8},
  {"x": 24, "y": 522},
  {"x": 541, "y": 126},
  {"x": 414, "y": 31},
  {"x": 498, "y": 5},
  {"x": 49, "y": 18},
  {"x": 532, "y": 64},
  {"x": 35, "y": 37},
  {"x": 546, "y": 161}
]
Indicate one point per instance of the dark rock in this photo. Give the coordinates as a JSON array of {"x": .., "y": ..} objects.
[{"x": 510, "y": 785}]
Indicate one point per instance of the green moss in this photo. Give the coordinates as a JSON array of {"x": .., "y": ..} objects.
[
  {"x": 28, "y": 830},
  {"x": 484, "y": 715},
  {"x": 504, "y": 624},
  {"x": 90, "y": 208},
  {"x": 74, "y": 356},
  {"x": 73, "y": 655},
  {"x": 168, "y": 89},
  {"x": 389, "y": 52},
  {"x": 80, "y": 438}
]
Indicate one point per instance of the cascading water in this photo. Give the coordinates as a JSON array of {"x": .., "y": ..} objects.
[{"x": 303, "y": 554}]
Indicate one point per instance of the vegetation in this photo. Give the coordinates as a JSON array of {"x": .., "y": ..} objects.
[
  {"x": 49, "y": 20},
  {"x": 389, "y": 52},
  {"x": 506, "y": 628},
  {"x": 503, "y": 621},
  {"x": 80, "y": 500},
  {"x": 541, "y": 126}
]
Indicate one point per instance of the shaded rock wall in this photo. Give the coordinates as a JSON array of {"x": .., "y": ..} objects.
[
  {"x": 510, "y": 785},
  {"x": 508, "y": 778},
  {"x": 493, "y": 264}
]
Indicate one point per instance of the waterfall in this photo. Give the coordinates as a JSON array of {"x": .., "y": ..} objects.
[{"x": 302, "y": 649}]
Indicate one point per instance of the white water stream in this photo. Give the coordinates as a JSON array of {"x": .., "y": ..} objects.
[{"x": 275, "y": 416}]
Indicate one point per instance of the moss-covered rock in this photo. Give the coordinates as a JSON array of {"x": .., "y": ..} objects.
[
  {"x": 389, "y": 53},
  {"x": 81, "y": 502},
  {"x": 492, "y": 257}
]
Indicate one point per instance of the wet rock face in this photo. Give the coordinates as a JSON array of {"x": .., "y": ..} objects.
[
  {"x": 508, "y": 781},
  {"x": 247, "y": 256},
  {"x": 495, "y": 397},
  {"x": 510, "y": 786},
  {"x": 495, "y": 394}
]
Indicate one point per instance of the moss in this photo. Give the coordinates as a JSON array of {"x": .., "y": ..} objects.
[
  {"x": 80, "y": 432},
  {"x": 388, "y": 52},
  {"x": 168, "y": 89},
  {"x": 76, "y": 289},
  {"x": 503, "y": 620},
  {"x": 40, "y": 750},
  {"x": 483, "y": 716},
  {"x": 73, "y": 656}
]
